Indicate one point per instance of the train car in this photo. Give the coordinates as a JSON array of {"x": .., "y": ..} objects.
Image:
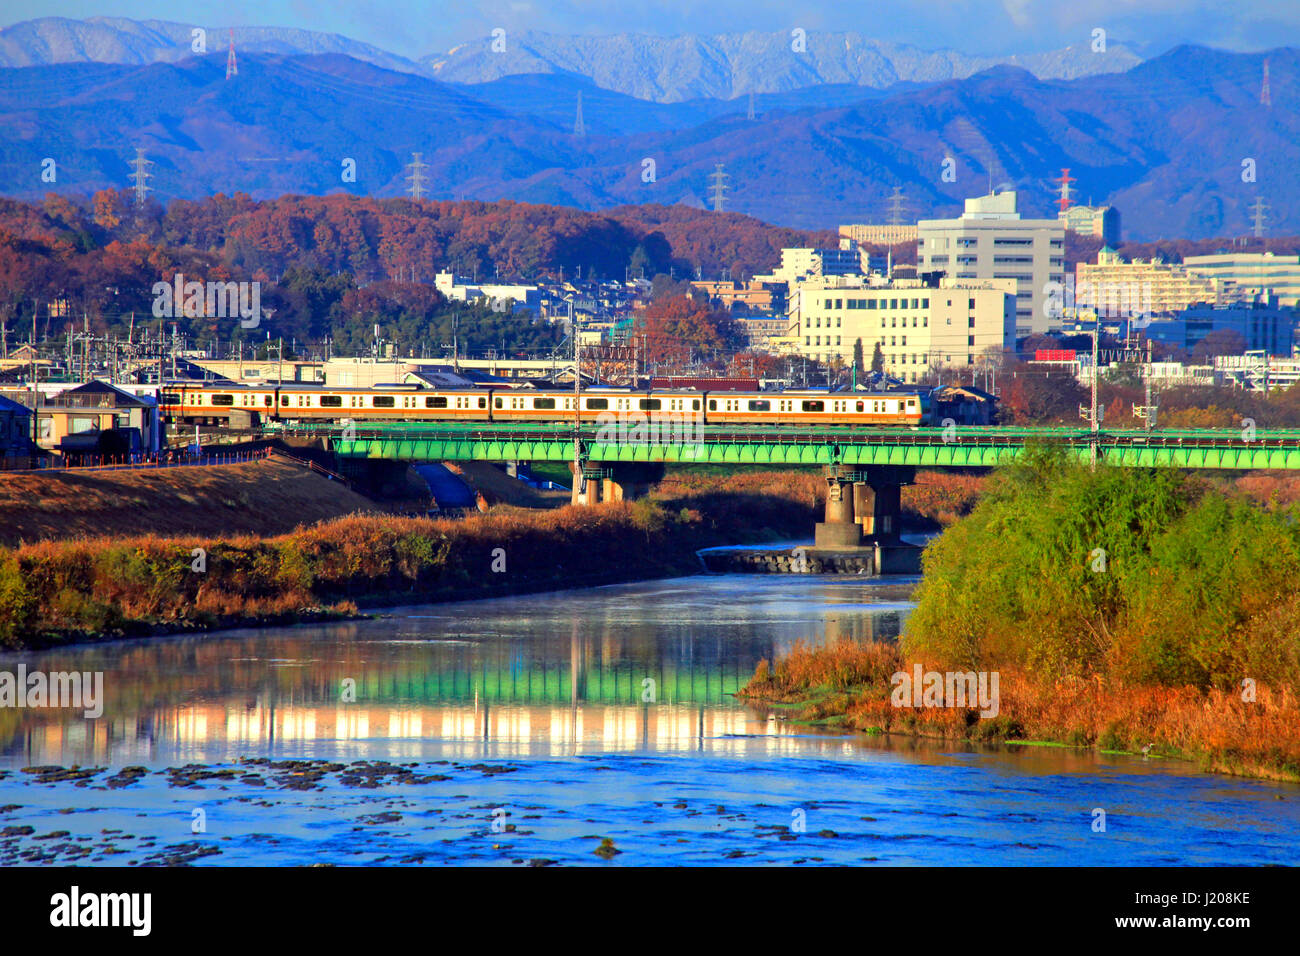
[
  {"x": 318, "y": 403},
  {"x": 874, "y": 409}
]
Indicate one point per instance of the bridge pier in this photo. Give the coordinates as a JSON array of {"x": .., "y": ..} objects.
[
  {"x": 615, "y": 481},
  {"x": 863, "y": 515}
]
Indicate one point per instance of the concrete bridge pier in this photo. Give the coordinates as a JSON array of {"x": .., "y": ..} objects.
[
  {"x": 615, "y": 481},
  {"x": 839, "y": 530}
]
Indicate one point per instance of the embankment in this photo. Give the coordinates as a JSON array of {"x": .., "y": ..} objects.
[
  {"x": 270, "y": 496},
  {"x": 1121, "y": 610},
  {"x": 59, "y": 591}
]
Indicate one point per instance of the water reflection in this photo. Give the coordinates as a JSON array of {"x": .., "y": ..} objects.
[{"x": 647, "y": 666}]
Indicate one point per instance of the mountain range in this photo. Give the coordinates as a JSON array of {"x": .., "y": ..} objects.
[
  {"x": 1180, "y": 143},
  {"x": 659, "y": 69}
]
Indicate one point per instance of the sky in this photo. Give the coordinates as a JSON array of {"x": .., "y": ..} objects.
[{"x": 414, "y": 28}]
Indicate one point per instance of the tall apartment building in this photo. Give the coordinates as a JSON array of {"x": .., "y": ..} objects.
[
  {"x": 1159, "y": 287},
  {"x": 917, "y": 324},
  {"x": 991, "y": 241},
  {"x": 1099, "y": 221},
  {"x": 1253, "y": 272}
]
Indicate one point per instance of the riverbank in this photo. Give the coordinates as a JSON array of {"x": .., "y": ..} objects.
[
  {"x": 1119, "y": 609},
  {"x": 56, "y": 592}
]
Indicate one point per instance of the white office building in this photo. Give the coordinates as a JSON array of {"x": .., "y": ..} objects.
[{"x": 991, "y": 241}]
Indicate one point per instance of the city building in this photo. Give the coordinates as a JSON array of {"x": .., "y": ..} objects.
[
  {"x": 753, "y": 295},
  {"x": 1111, "y": 286},
  {"x": 1101, "y": 222},
  {"x": 1252, "y": 272},
  {"x": 1263, "y": 326},
  {"x": 879, "y": 235},
  {"x": 761, "y": 329},
  {"x": 990, "y": 241},
  {"x": 800, "y": 264},
  {"x": 499, "y": 295},
  {"x": 916, "y": 323}
]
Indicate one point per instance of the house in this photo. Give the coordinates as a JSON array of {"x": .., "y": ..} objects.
[{"x": 98, "y": 419}]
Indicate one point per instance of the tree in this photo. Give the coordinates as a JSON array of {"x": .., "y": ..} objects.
[
  {"x": 877, "y": 358},
  {"x": 858, "y": 362}
]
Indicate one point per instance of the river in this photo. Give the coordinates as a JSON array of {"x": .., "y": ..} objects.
[{"x": 525, "y": 730}]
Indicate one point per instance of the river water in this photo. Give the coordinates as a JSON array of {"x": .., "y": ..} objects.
[{"x": 525, "y": 730}]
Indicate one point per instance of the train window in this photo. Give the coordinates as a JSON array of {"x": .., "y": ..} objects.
[
  {"x": 597, "y": 404},
  {"x": 544, "y": 403},
  {"x": 284, "y": 399},
  {"x": 482, "y": 403},
  {"x": 331, "y": 401},
  {"x": 497, "y": 402},
  {"x": 266, "y": 400},
  {"x": 223, "y": 399},
  {"x": 713, "y": 404},
  {"x": 695, "y": 404},
  {"x": 862, "y": 406},
  {"x": 171, "y": 398},
  {"x": 911, "y": 403},
  {"x": 650, "y": 404},
  {"x": 814, "y": 406},
  {"x": 436, "y": 401},
  {"x": 759, "y": 405},
  {"x": 384, "y": 401}
]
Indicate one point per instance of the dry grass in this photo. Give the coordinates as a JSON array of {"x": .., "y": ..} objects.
[
  {"x": 58, "y": 590},
  {"x": 260, "y": 497},
  {"x": 849, "y": 685}
]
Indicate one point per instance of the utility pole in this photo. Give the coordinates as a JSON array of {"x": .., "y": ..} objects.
[
  {"x": 579, "y": 480},
  {"x": 1096, "y": 425}
]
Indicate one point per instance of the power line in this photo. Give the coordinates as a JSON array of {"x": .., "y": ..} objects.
[{"x": 140, "y": 176}]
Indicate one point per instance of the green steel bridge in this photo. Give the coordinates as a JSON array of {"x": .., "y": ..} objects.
[{"x": 962, "y": 447}]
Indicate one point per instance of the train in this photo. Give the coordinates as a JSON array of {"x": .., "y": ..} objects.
[{"x": 224, "y": 403}]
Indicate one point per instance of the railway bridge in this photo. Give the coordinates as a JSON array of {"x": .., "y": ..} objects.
[{"x": 865, "y": 469}]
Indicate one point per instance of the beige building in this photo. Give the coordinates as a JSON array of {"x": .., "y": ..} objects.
[
  {"x": 1252, "y": 272},
  {"x": 991, "y": 241},
  {"x": 916, "y": 325},
  {"x": 1101, "y": 222},
  {"x": 879, "y": 235},
  {"x": 1155, "y": 287}
]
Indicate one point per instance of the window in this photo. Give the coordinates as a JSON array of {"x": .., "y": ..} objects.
[
  {"x": 713, "y": 404},
  {"x": 970, "y": 340},
  {"x": 597, "y": 404},
  {"x": 497, "y": 402},
  {"x": 972, "y": 303},
  {"x": 171, "y": 398},
  {"x": 384, "y": 401},
  {"x": 814, "y": 406},
  {"x": 695, "y": 404},
  {"x": 839, "y": 303},
  {"x": 893, "y": 303},
  {"x": 759, "y": 405},
  {"x": 861, "y": 406},
  {"x": 223, "y": 399},
  {"x": 332, "y": 401},
  {"x": 437, "y": 401},
  {"x": 544, "y": 404},
  {"x": 649, "y": 404}
]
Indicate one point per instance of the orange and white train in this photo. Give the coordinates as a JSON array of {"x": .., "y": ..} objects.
[{"x": 211, "y": 403}]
